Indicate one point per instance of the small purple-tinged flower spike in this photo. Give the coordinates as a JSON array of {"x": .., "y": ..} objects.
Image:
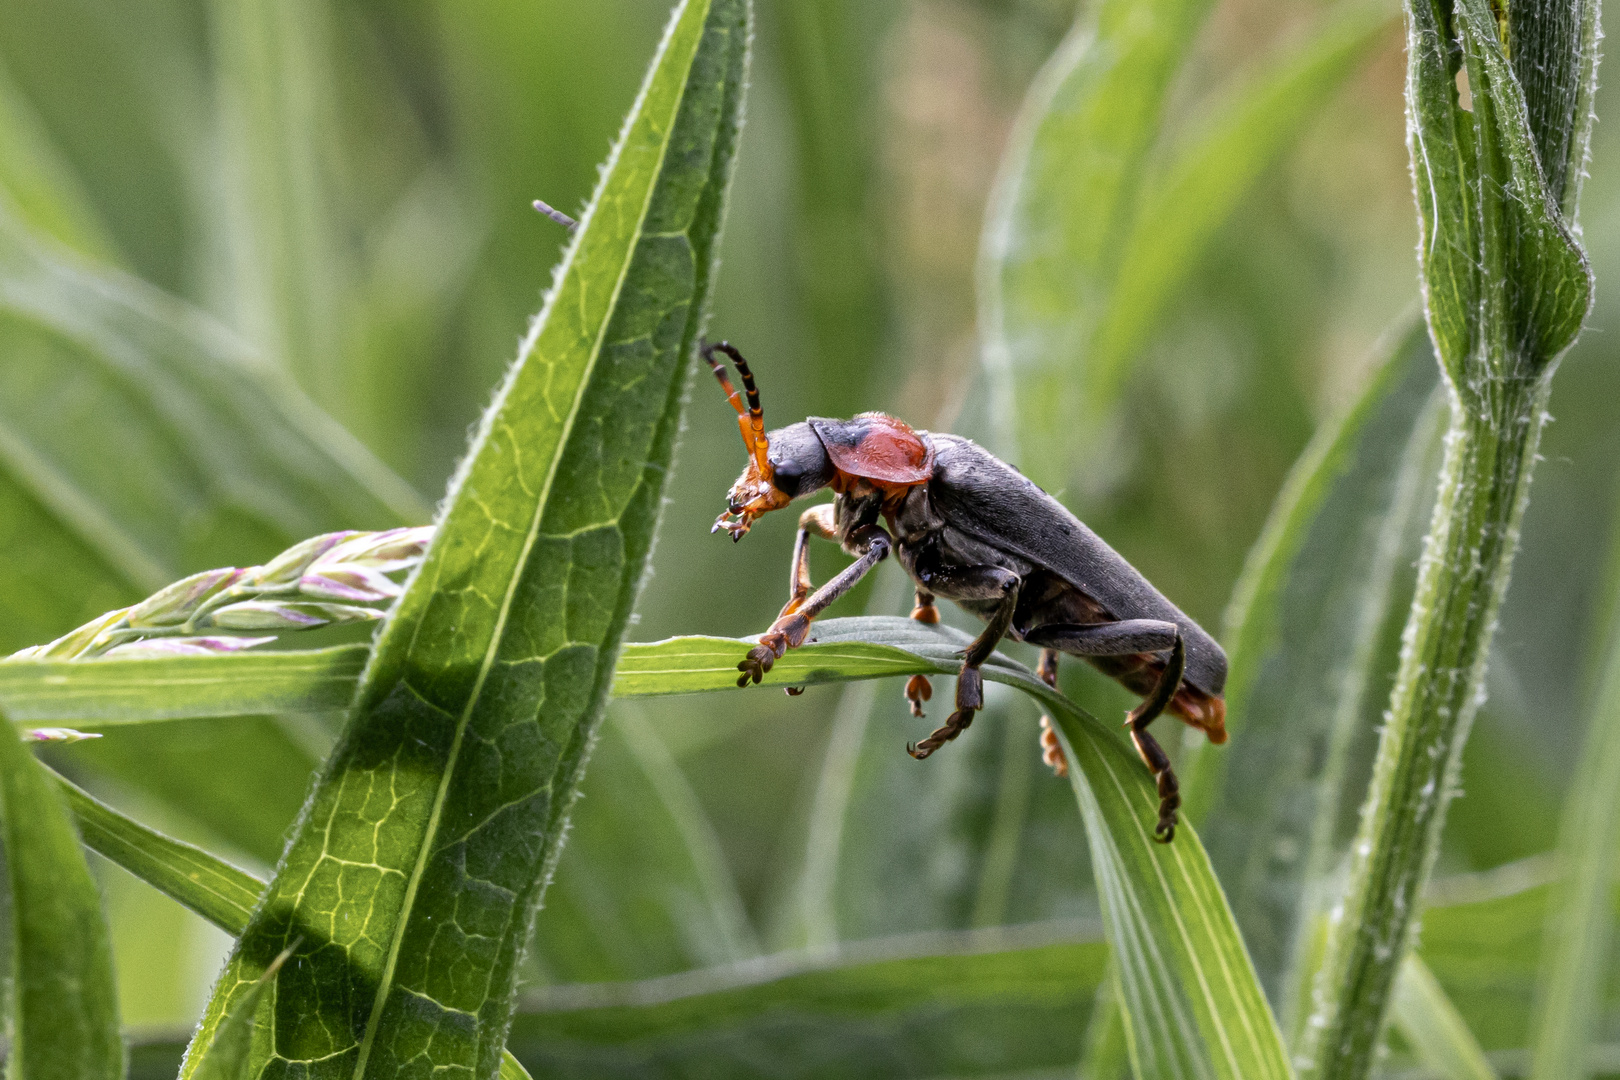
[
  {"x": 286, "y": 615},
  {"x": 56, "y": 734},
  {"x": 176, "y": 603},
  {"x": 73, "y": 643},
  {"x": 393, "y": 549},
  {"x": 293, "y": 563},
  {"x": 357, "y": 584},
  {"x": 156, "y": 648}
]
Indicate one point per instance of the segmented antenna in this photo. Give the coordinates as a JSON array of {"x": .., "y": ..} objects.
[{"x": 751, "y": 422}]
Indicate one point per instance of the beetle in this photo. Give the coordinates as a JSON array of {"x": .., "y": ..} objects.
[{"x": 968, "y": 527}]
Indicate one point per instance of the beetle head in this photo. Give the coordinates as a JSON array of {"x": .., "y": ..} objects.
[{"x": 782, "y": 464}]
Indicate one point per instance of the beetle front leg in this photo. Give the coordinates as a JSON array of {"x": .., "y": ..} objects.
[
  {"x": 971, "y": 583},
  {"x": 792, "y": 627}
]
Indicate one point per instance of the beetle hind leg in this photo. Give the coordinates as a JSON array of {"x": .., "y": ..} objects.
[{"x": 1148, "y": 748}]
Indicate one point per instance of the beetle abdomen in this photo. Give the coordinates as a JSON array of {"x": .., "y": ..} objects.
[{"x": 985, "y": 497}]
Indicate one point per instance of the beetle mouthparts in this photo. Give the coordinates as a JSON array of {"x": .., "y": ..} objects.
[{"x": 736, "y": 523}]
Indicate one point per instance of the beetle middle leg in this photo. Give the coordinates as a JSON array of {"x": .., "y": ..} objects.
[
  {"x": 970, "y": 583},
  {"x": 793, "y": 625},
  {"x": 1122, "y": 639},
  {"x": 1051, "y": 749}
]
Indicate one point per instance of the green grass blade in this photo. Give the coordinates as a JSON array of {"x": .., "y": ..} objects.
[
  {"x": 476, "y": 712},
  {"x": 1184, "y": 206},
  {"x": 65, "y": 1005},
  {"x": 99, "y": 693},
  {"x": 140, "y": 442},
  {"x": 1063, "y": 206},
  {"x": 1191, "y": 998},
  {"x": 206, "y": 884},
  {"x": 1580, "y": 930},
  {"x": 1506, "y": 288},
  {"x": 1431, "y": 1025},
  {"x": 1303, "y": 625},
  {"x": 977, "y": 1004}
]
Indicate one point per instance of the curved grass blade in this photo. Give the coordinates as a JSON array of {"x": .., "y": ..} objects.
[
  {"x": 206, "y": 884},
  {"x": 1193, "y": 1005},
  {"x": 975, "y": 1004},
  {"x": 100, "y": 693},
  {"x": 1303, "y": 627},
  {"x": 65, "y": 1004},
  {"x": 476, "y": 713}
]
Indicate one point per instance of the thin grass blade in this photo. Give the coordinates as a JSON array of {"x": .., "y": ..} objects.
[
  {"x": 1431, "y": 1025},
  {"x": 64, "y": 1021}
]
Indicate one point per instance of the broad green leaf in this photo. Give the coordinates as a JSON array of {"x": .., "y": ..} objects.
[
  {"x": 1063, "y": 206},
  {"x": 1302, "y": 630},
  {"x": 1506, "y": 288},
  {"x": 642, "y": 888},
  {"x": 1185, "y": 205},
  {"x": 980, "y": 1004},
  {"x": 1430, "y": 1024},
  {"x": 140, "y": 442},
  {"x": 98, "y": 693},
  {"x": 211, "y": 887},
  {"x": 65, "y": 1005},
  {"x": 1191, "y": 998},
  {"x": 476, "y": 712}
]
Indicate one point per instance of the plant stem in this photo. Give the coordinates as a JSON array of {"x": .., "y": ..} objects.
[{"x": 1484, "y": 487}]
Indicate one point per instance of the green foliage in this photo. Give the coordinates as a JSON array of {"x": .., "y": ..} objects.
[{"x": 1188, "y": 250}]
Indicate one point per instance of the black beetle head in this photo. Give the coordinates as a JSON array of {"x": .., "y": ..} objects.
[{"x": 782, "y": 465}]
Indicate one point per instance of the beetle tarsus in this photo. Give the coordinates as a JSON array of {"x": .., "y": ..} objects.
[
  {"x": 918, "y": 690},
  {"x": 925, "y": 612},
  {"x": 1052, "y": 750},
  {"x": 958, "y": 723}
]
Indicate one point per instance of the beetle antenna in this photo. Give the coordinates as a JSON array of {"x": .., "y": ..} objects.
[
  {"x": 556, "y": 215},
  {"x": 752, "y": 420}
]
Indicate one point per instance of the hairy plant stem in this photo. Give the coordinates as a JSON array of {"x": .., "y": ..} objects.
[{"x": 1484, "y": 488}]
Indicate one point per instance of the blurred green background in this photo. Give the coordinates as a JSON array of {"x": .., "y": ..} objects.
[{"x": 345, "y": 184}]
